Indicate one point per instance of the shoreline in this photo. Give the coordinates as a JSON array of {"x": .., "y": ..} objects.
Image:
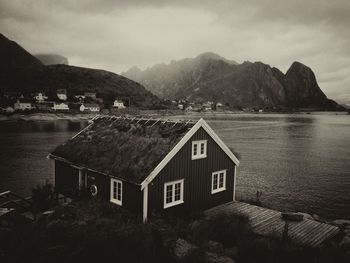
[{"x": 152, "y": 113}]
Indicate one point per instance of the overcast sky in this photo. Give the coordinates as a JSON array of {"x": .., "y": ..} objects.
[{"x": 118, "y": 34}]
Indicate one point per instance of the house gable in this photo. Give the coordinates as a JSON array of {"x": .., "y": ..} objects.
[
  {"x": 197, "y": 177},
  {"x": 201, "y": 124}
]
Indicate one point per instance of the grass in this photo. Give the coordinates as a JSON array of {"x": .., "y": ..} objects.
[{"x": 101, "y": 232}]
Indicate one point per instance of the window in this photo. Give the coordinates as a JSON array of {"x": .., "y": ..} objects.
[
  {"x": 199, "y": 149},
  {"x": 218, "y": 182},
  {"x": 173, "y": 193},
  {"x": 116, "y": 191}
]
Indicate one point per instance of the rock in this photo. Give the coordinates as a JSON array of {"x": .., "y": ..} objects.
[
  {"x": 347, "y": 231},
  {"x": 345, "y": 242},
  {"x": 306, "y": 216},
  {"x": 297, "y": 217},
  {"x": 317, "y": 218},
  {"x": 341, "y": 222},
  {"x": 215, "y": 258},
  {"x": 183, "y": 249}
]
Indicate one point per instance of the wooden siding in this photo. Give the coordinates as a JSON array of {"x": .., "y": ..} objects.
[
  {"x": 66, "y": 179},
  {"x": 131, "y": 193},
  {"x": 197, "y": 175},
  {"x": 67, "y": 183}
]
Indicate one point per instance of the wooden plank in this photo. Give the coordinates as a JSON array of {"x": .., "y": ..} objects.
[
  {"x": 327, "y": 235},
  {"x": 322, "y": 234},
  {"x": 321, "y": 231}
]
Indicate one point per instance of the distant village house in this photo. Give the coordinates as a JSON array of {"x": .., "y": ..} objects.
[
  {"x": 90, "y": 107},
  {"x": 60, "y": 107},
  {"x": 117, "y": 160},
  {"x": 62, "y": 94},
  {"x": 40, "y": 97},
  {"x": 119, "y": 104},
  {"x": 23, "y": 105}
]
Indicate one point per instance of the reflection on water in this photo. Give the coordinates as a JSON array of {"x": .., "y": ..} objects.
[
  {"x": 24, "y": 146},
  {"x": 299, "y": 162}
]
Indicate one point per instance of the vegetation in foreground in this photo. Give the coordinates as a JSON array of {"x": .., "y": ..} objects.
[{"x": 90, "y": 230}]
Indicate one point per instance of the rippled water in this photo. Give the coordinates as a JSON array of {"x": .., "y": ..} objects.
[{"x": 299, "y": 162}]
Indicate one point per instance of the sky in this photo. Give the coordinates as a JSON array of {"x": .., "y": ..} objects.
[{"x": 118, "y": 34}]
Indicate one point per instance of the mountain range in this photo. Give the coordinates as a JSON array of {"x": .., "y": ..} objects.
[
  {"x": 22, "y": 72},
  {"x": 210, "y": 77}
]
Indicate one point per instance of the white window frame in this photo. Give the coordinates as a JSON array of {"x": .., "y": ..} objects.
[
  {"x": 173, "y": 203},
  {"x": 116, "y": 200},
  {"x": 198, "y": 145},
  {"x": 218, "y": 189}
]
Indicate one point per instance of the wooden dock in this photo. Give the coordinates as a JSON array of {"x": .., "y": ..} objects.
[{"x": 267, "y": 222}]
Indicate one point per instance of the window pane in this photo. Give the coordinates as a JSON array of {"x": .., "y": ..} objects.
[
  {"x": 221, "y": 180},
  {"x": 169, "y": 194},
  {"x": 202, "y": 148},
  {"x": 119, "y": 191},
  {"x": 215, "y": 181},
  {"x": 177, "y": 192},
  {"x": 114, "y": 189},
  {"x": 195, "y": 149}
]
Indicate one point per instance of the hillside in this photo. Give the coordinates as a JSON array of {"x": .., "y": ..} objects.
[
  {"x": 24, "y": 73},
  {"x": 52, "y": 59},
  {"x": 13, "y": 55},
  {"x": 251, "y": 85}
]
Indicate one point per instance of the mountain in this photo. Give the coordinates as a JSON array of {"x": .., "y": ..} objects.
[
  {"x": 24, "y": 73},
  {"x": 14, "y": 56},
  {"x": 252, "y": 85},
  {"x": 52, "y": 59}
]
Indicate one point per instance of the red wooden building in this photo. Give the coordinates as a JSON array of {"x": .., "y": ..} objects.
[{"x": 147, "y": 165}]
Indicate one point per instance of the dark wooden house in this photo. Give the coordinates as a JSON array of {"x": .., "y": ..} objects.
[{"x": 147, "y": 165}]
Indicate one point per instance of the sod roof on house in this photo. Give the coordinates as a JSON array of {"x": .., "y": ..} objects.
[{"x": 127, "y": 148}]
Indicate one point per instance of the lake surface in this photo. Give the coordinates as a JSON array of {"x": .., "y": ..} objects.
[{"x": 299, "y": 162}]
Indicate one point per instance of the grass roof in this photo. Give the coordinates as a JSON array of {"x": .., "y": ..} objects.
[{"x": 125, "y": 148}]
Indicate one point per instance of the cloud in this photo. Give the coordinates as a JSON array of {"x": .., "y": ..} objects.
[{"x": 117, "y": 34}]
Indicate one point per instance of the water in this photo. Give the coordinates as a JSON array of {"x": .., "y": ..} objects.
[{"x": 299, "y": 162}]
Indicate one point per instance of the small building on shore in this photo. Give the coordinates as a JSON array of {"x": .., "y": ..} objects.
[
  {"x": 60, "y": 106},
  {"x": 147, "y": 165},
  {"x": 118, "y": 104},
  {"x": 40, "y": 97},
  {"x": 62, "y": 94},
  {"x": 23, "y": 105},
  {"x": 91, "y": 107}
]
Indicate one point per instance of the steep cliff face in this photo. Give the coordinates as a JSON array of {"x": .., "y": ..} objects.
[
  {"x": 239, "y": 85},
  {"x": 302, "y": 88}
]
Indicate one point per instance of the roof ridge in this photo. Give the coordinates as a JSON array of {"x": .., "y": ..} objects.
[{"x": 147, "y": 120}]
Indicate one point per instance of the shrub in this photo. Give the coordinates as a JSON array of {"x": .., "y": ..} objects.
[
  {"x": 43, "y": 197},
  {"x": 229, "y": 229}
]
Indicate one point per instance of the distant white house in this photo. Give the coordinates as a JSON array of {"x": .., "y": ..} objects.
[
  {"x": 81, "y": 98},
  {"x": 180, "y": 106},
  {"x": 119, "y": 104},
  {"x": 40, "y": 97},
  {"x": 60, "y": 107},
  {"x": 62, "y": 94},
  {"x": 219, "y": 105},
  {"x": 23, "y": 105},
  {"x": 90, "y": 107},
  {"x": 207, "y": 106}
]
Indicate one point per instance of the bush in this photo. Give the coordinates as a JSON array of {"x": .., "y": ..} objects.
[
  {"x": 43, "y": 197},
  {"x": 229, "y": 229}
]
